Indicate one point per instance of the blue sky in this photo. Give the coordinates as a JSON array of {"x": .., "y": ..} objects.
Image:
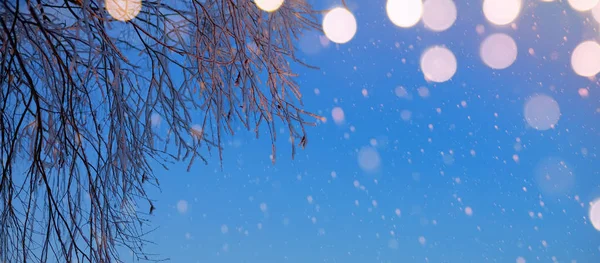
[{"x": 456, "y": 152}]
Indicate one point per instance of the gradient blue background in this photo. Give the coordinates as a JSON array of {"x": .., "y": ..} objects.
[{"x": 413, "y": 176}]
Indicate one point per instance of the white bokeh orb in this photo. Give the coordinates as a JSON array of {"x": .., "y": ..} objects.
[
  {"x": 369, "y": 159},
  {"x": 269, "y": 5},
  {"x": 554, "y": 177},
  {"x": 339, "y": 25},
  {"x": 439, "y": 15},
  {"x": 595, "y": 214},
  {"x": 404, "y": 13},
  {"x": 542, "y": 112},
  {"x": 498, "y": 51},
  {"x": 438, "y": 64},
  {"x": 182, "y": 206},
  {"x": 338, "y": 115},
  {"x": 585, "y": 59},
  {"x": 123, "y": 10},
  {"x": 583, "y": 5},
  {"x": 501, "y": 12}
]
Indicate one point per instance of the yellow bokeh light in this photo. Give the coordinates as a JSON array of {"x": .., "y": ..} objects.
[
  {"x": 439, "y": 15},
  {"x": 404, "y": 13},
  {"x": 498, "y": 51},
  {"x": 585, "y": 59},
  {"x": 339, "y": 25},
  {"x": 595, "y": 214},
  {"x": 501, "y": 12},
  {"x": 123, "y": 10},
  {"x": 583, "y": 5},
  {"x": 269, "y": 5},
  {"x": 438, "y": 64}
]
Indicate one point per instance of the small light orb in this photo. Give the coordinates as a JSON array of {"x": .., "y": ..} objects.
[
  {"x": 521, "y": 260},
  {"x": 583, "y": 5},
  {"x": 585, "y": 59},
  {"x": 368, "y": 159},
  {"x": 404, "y": 13},
  {"x": 468, "y": 211},
  {"x": 123, "y": 10},
  {"x": 438, "y": 64},
  {"x": 338, "y": 115},
  {"x": 595, "y": 214},
  {"x": 339, "y": 25},
  {"x": 498, "y": 51},
  {"x": 182, "y": 206},
  {"x": 268, "y": 5},
  {"x": 439, "y": 15},
  {"x": 263, "y": 207},
  {"x": 501, "y": 12},
  {"x": 583, "y": 92},
  {"x": 542, "y": 112}
]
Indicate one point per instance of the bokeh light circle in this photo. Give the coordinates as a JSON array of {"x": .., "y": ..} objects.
[
  {"x": 438, "y": 64},
  {"x": 339, "y": 25},
  {"x": 123, "y": 10},
  {"x": 583, "y": 5},
  {"x": 542, "y": 112},
  {"x": 404, "y": 13},
  {"x": 501, "y": 12},
  {"x": 368, "y": 159},
  {"x": 269, "y": 5},
  {"x": 498, "y": 51},
  {"x": 439, "y": 15},
  {"x": 595, "y": 214},
  {"x": 585, "y": 59},
  {"x": 338, "y": 115},
  {"x": 554, "y": 177}
]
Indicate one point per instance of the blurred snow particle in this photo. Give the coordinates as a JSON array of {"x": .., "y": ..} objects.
[
  {"x": 422, "y": 240},
  {"x": 338, "y": 115},
  {"x": 469, "y": 211},
  {"x": 368, "y": 159},
  {"x": 309, "y": 199},
  {"x": 263, "y": 207},
  {"x": 398, "y": 212},
  {"x": 182, "y": 206},
  {"x": 521, "y": 260},
  {"x": 423, "y": 92},
  {"x": 155, "y": 120},
  {"x": 584, "y": 92},
  {"x": 224, "y": 229},
  {"x": 405, "y": 115}
]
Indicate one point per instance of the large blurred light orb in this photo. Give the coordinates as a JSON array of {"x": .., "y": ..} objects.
[
  {"x": 438, "y": 64},
  {"x": 339, "y": 25},
  {"x": 554, "y": 177},
  {"x": 498, "y": 51},
  {"x": 404, "y": 13},
  {"x": 542, "y": 112},
  {"x": 583, "y": 5},
  {"x": 123, "y": 10},
  {"x": 585, "y": 59},
  {"x": 595, "y": 214},
  {"x": 268, "y": 5},
  {"x": 439, "y": 15},
  {"x": 501, "y": 12}
]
